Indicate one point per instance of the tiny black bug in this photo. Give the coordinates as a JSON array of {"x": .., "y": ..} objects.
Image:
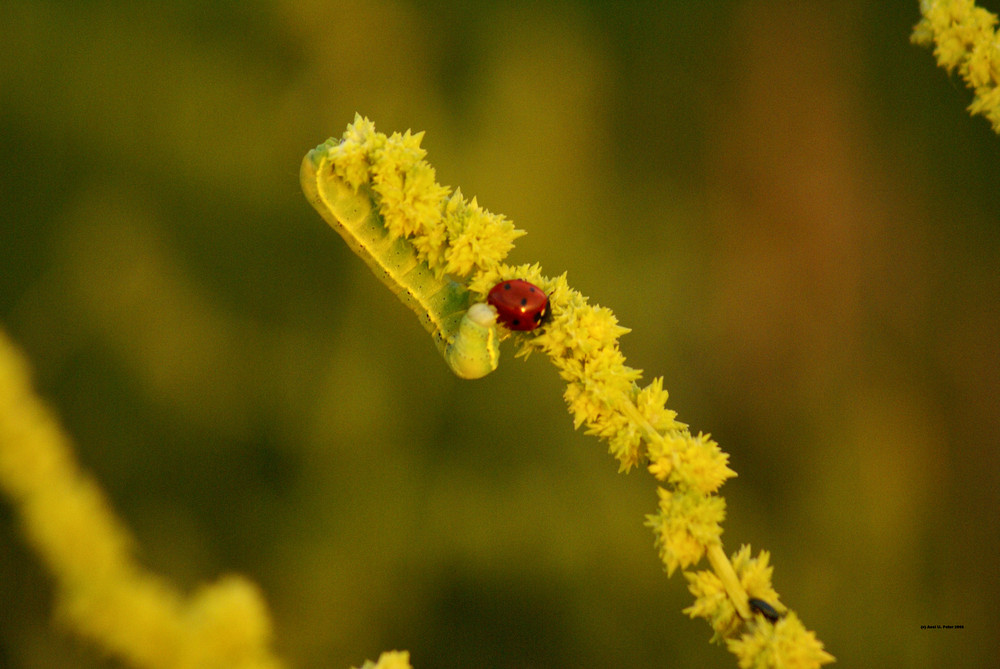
[{"x": 764, "y": 609}]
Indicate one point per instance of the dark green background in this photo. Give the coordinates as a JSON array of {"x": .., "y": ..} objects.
[{"x": 786, "y": 202}]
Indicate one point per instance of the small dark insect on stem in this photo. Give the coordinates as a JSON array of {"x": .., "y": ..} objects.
[{"x": 764, "y": 609}]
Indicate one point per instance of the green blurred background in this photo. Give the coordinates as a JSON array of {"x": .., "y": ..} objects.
[{"x": 786, "y": 202}]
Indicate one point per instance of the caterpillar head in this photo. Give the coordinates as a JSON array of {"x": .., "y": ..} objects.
[{"x": 475, "y": 350}]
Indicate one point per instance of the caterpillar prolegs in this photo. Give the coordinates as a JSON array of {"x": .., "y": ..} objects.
[{"x": 465, "y": 334}]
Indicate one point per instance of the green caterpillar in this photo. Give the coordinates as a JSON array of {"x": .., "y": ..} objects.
[{"x": 465, "y": 334}]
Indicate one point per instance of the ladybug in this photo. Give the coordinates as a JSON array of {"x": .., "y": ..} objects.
[
  {"x": 519, "y": 304},
  {"x": 764, "y": 609}
]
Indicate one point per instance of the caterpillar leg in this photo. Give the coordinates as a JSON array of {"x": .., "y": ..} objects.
[{"x": 475, "y": 350}]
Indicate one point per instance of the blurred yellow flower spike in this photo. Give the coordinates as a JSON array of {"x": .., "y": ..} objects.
[
  {"x": 101, "y": 591},
  {"x": 380, "y": 195},
  {"x": 965, "y": 40},
  {"x": 391, "y": 659}
]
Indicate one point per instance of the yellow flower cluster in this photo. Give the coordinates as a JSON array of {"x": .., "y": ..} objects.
[
  {"x": 602, "y": 393},
  {"x": 452, "y": 235},
  {"x": 101, "y": 592},
  {"x": 391, "y": 659},
  {"x": 784, "y": 642},
  {"x": 581, "y": 340},
  {"x": 965, "y": 39}
]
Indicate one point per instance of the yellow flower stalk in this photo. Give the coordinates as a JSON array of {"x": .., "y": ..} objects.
[
  {"x": 101, "y": 592},
  {"x": 380, "y": 195},
  {"x": 965, "y": 40}
]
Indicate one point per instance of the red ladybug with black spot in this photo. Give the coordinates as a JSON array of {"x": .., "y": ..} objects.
[{"x": 520, "y": 305}]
